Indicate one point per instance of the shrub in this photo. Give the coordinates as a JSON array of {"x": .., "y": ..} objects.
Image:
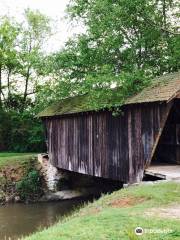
[
  {"x": 21, "y": 132},
  {"x": 29, "y": 188}
]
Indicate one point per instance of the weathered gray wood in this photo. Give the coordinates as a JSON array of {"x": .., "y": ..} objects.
[
  {"x": 164, "y": 171},
  {"x": 99, "y": 144}
]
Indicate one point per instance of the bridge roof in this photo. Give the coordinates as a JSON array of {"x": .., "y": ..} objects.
[{"x": 164, "y": 88}]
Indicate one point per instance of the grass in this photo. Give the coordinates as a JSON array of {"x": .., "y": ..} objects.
[
  {"x": 115, "y": 216},
  {"x": 7, "y": 159}
]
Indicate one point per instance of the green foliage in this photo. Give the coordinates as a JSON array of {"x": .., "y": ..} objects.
[
  {"x": 126, "y": 42},
  {"x": 14, "y": 166},
  {"x": 21, "y": 132},
  {"x": 29, "y": 187},
  {"x": 21, "y": 54}
]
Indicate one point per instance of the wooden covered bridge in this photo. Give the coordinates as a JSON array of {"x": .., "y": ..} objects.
[{"x": 120, "y": 147}]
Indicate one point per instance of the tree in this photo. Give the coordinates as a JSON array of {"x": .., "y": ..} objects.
[
  {"x": 9, "y": 31},
  {"x": 126, "y": 42},
  {"x": 31, "y": 48},
  {"x": 131, "y": 34},
  {"x": 21, "y": 55}
]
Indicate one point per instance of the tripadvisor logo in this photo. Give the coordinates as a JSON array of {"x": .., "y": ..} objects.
[{"x": 139, "y": 231}]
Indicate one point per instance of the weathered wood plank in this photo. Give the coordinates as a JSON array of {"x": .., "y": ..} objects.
[{"x": 99, "y": 144}]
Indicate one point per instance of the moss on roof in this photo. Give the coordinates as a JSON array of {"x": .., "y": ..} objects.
[
  {"x": 67, "y": 106},
  {"x": 161, "y": 89}
]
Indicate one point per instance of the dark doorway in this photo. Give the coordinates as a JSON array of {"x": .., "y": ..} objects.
[
  {"x": 166, "y": 161},
  {"x": 168, "y": 149}
]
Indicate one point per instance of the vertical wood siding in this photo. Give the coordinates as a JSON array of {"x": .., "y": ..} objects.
[{"x": 99, "y": 144}]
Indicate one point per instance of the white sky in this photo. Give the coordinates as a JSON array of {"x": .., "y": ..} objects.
[{"x": 52, "y": 8}]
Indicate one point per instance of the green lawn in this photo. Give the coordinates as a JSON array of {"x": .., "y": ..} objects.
[
  {"x": 115, "y": 216},
  {"x": 14, "y": 158}
]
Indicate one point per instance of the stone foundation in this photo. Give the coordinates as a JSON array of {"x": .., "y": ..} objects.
[
  {"x": 62, "y": 184},
  {"x": 51, "y": 174}
]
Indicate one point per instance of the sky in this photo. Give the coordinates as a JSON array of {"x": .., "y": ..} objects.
[{"x": 52, "y": 8}]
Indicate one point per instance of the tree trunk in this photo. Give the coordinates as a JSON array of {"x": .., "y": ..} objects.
[
  {"x": 164, "y": 14},
  {"x": 26, "y": 87},
  {"x": 8, "y": 84}
]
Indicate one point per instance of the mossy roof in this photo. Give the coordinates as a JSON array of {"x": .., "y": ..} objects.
[{"x": 163, "y": 88}]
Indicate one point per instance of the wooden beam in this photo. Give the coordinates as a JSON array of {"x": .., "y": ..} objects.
[{"x": 176, "y": 95}]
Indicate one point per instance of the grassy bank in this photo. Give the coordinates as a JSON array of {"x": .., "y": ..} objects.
[
  {"x": 19, "y": 179},
  {"x": 155, "y": 208},
  {"x": 7, "y": 159}
]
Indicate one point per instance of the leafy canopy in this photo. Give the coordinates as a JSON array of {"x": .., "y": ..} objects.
[
  {"x": 126, "y": 43},
  {"x": 21, "y": 56}
]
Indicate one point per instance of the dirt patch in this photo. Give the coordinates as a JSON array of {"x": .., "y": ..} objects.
[
  {"x": 90, "y": 211},
  {"x": 172, "y": 212},
  {"x": 94, "y": 211},
  {"x": 12, "y": 174},
  {"x": 126, "y": 202}
]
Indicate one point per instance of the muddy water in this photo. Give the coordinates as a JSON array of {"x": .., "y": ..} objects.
[{"x": 19, "y": 220}]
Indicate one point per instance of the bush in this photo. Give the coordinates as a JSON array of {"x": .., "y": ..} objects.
[
  {"x": 5, "y": 129},
  {"x": 29, "y": 188},
  {"x": 21, "y": 132}
]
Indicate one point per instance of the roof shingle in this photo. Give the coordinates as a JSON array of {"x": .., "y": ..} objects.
[{"x": 162, "y": 89}]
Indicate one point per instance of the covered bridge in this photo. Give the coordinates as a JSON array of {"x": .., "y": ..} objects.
[{"x": 120, "y": 147}]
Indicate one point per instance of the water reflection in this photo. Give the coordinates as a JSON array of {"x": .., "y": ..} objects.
[{"x": 18, "y": 220}]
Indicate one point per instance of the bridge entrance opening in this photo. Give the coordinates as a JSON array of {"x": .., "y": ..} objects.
[{"x": 166, "y": 160}]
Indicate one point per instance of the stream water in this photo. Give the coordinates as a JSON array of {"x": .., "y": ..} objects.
[{"x": 17, "y": 220}]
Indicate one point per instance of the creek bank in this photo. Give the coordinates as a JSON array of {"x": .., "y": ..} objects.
[
  {"x": 36, "y": 180},
  {"x": 117, "y": 215},
  {"x": 18, "y": 181}
]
